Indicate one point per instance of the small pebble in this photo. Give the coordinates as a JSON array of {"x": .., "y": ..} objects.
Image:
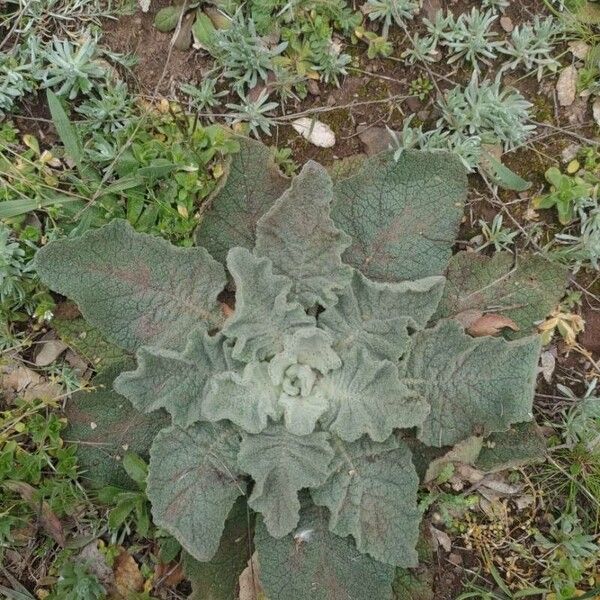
[{"x": 506, "y": 24}]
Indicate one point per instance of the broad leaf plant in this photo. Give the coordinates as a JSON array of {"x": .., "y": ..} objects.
[{"x": 316, "y": 391}]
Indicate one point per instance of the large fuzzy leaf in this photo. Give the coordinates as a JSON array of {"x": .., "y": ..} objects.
[
  {"x": 218, "y": 578},
  {"x": 253, "y": 184},
  {"x": 282, "y": 464},
  {"x": 247, "y": 399},
  {"x": 314, "y": 564},
  {"x": 403, "y": 216},
  {"x": 525, "y": 291},
  {"x": 173, "y": 380},
  {"x": 88, "y": 342},
  {"x": 522, "y": 444},
  {"x": 263, "y": 314},
  {"x": 299, "y": 237},
  {"x": 193, "y": 482},
  {"x": 372, "y": 496},
  {"x": 475, "y": 386},
  {"x": 104, "y": 426},
  {"x": 379, "y": 316},
  {"x": 367, "y": 396},
  {"x": 136, "y": 288}
]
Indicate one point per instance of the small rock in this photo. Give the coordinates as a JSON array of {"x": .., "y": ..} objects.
[
  {"x": 49, "y": 350},
  {"x": 317, "y": 133},
  {"x": 313, "y": 87},
  {"x": 506, "y": 24},
  {"x": 577, "y": 112},
  {"x": 79, "y": 364},
  {"x": 566, "y": 86},
  {"x": 596, "y": 110},
  {"x": 414, "y": 104},
  {"x": 570, "y": 152},
  {"x": 375, "y": 139},
  {"x": 455, "y": 558}
]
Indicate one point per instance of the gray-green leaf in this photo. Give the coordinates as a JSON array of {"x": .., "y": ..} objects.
[
  {"x": 263, "y": 314},
  {"x": 246, "y": 399},
  {"x": 379, "y": 316},
  {"x": 314, "y": 564},
  {"x": 367, "y": 396},
  {"x": 253, "y": 184},
  {"x": 173, "y": 380},
  {"x": 403, "y": 216},
  {"x": 372, "y": 496},
  {"x": 103, "y": 424},
  {"x": 299, "y": 237},
  {"x": 282, "y": 464},
  {"x": 193, "y": 482},
  {"x": 525, "y": 291},
  {"x": 475, "y": 386},
  {"x": 136, "y": 288},
  {"x": 218, "y": 578}
]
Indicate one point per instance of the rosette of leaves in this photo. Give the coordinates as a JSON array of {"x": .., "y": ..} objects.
[{"x": 308, "y": 397}]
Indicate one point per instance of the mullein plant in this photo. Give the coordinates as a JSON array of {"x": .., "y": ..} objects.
[{"x": 307, "y": 405}]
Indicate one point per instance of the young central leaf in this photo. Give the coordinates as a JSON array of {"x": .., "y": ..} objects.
[
  {"x": 246, "y": 399},
  {"x": 282, "y": 464},
  {"x": 263, "y": 314},
  {"x": 299, "y": 237},
  {"x": 137, "y": 289},
  {"x": 193, "y": 481}
]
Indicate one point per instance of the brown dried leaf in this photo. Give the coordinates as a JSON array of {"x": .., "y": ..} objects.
[
  {"x": 250, "y": 587},
  {"x": 49, "y": 522},
  {"x": 491, "y": 324},
  {"x": 468, "y": 317},
  {"x": 441, "y": 538},
  {"x": 128, "y": 578},
  {"x": 170, "y": 574}
]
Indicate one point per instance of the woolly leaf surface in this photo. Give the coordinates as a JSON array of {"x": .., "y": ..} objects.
[
  {"x": 475, "y": 386},
  {"x": 263, "y": 314},
  {"x": 379, "y": 316},
  {"x": 522, "y": 444},
  {"x": 218, "y": 578},
  {"x": 176, "y": 381},
  {"x": 193, "y": 482},
  {"x": 525, "y": 291},
  {"x": 367, "y": 396},
  {"x": 372, "y": 496},
  {"x": 104, "y": 425},
  {"x": 403, "y": 216},
  {"x": 247, "y": 399},
  {"x": 252, "y": 185},
  {"x": 308, "y": 346},
  {"x": 282, "y": 464},
  {"x": 137, "y": 289},
  {"x": 314, "y": 564},
  {"x": 299, "y": 237},
  {"x": 87, "y": 341}
]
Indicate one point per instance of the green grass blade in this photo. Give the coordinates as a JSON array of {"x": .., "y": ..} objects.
[{"x": 14, "y": 208}]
